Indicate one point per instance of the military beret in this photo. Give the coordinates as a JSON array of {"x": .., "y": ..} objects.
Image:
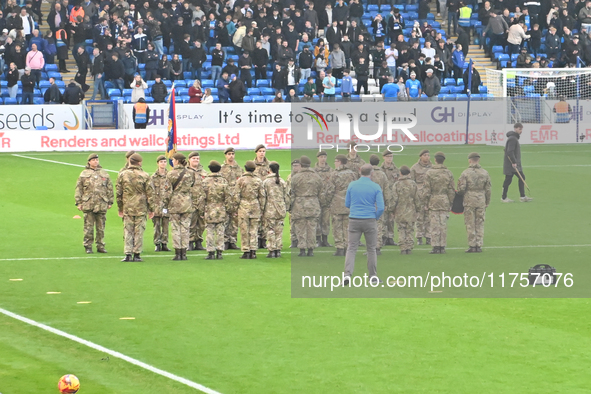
[
  {"x": 374, "y": 160},
  {"x": 296, "y": 161},
  {"x": 228, "y": 150},
  {"x": 321, "y": 153},
  {"x": 259, "y": 146},
  {"x": 423, "y": 152},
  {"x": 305, "y": 161},
  {"x": 192, "y": 154},
  {"x": 387, "y": 153},
  {"x": 92, "y": 156},
  {"x": 249, "y": 165},
  {"x": 128, "y": 154},
  {"x": 214, "y": 163},
  {"x": 342, "y": 158},
  {"x": 178, "y": 156},
  {"x": 161, "y": 157},
  {"x": 473, "y": 155},
  {"x": 136, "y": 157},
  {"x": 440, "y": 154},
  {"x": 404, "y": 170}
]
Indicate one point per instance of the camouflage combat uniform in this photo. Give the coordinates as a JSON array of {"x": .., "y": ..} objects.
[
  {"x": 197, "y": 222},
  {"x": 262, "y": 168},
  {"x": 180, "y": 204},
  {"x": 161, "y": 220},
  {"x": 378, "y": 176},
  {"x": 274, "y": 208},
  {"x": 94, "y": 194},
  {"x": 354, "y": 164},
  {"x": 231, "y": 173},
  {"x": 323, "y": 227},
  {"x": 292, "y": 234},
  {"x": 404, "y": 203},
  {"x": 217, "y": 204},
  {"x": 392, "y": 173},
  {"x": 135, "y": 199},
  {"x": 306, "y": 192},
  {"x": 336, "y": 193},
  {"x": 439, "y": 194},
  {"x": 475, "y": 184},
  {"x": 249, "y": 196},
  {"x": 417, "y": 174}
]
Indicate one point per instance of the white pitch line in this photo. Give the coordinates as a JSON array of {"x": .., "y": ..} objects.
[
  {"x": 288, "y": 252},
  {"x": 110, "y": 352},
  {"x": 58, "y": 162}
]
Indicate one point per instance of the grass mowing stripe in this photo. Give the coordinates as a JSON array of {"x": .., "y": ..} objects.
[
  {"x": 289, "y": 252},
  {"x": 58, "y": 162},
  {"x": 110, "y": 352}
]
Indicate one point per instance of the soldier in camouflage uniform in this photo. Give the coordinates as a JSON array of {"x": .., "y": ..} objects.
[
  {"x": 185, "y": 193},
  {"x": 336, "y": 192},
  {"x": 261, "y": 172},
  {"x": 404, "y": 203},
  {"x": 417, "y": 174},
  {"x": 94, "y": 196},
  {"x": 249, "y": 196},
  {"x": 127, "y": 156},
  {"x": 161, "y": 218},
  {"x": 392, "y": 173},
  {"x": 378, "y": 176},
  {"x": 217, "y": 203},
  {"x": 197, "y": 222},
  {"x": 354, "y": 161},
  {"x": 439, "y": 195},
  {"x": 474, "y": 184},
  {"x": 295, "y": 167},
  {"x": 306, "y": 194},
  {"x": 231, "y": 171},
  {"x": 274, "y": 207},
  {"x": 323, "y": 228},
  {"x": 135, "y": 199}
]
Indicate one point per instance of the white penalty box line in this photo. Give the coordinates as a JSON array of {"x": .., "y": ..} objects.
[{"x": 110, "y": 352}]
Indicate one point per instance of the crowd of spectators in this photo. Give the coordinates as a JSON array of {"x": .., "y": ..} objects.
[{"x": 303, "y": 49}]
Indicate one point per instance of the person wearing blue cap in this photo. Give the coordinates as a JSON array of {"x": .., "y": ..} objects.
[{"x": 223, "y": 86}]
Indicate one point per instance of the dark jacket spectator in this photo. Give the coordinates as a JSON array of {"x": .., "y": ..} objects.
[
  {"x": 237, "y": 91},
  {"x": 53, "y": 95},
  {"x": 73, "y": 94},
  {"x": 431, "y": 86},
  {"x": 159, "y": 91},
  {"x": 28, "y": 83},
  {"x": 279, "y": 79}
]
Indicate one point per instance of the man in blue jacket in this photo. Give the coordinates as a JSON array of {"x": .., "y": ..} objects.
[{"x": 223, "y": 86}]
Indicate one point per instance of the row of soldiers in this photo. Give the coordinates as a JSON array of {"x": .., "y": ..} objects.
[{"x": 257, "y": 200}]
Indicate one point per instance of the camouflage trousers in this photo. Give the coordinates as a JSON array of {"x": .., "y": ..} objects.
[
  {"x": 133, "y": 233},
  {"x": 340, "y": 230},
  {"x": 405, "y": 235},
  {"x": 305, "y": 229},
  {"x": 292, "y": 233},
  {"x": 274, "y": 231},
  {"x": 323, "y": 227},
  {"x": 390, "y": 222},
  {"x": 180, "y": 223},
  {"x": 439, "y": 227},
  {"x": 382, "y": 229},
  {"x": 249, "y": 233},
  {"x": 215, "y": 236},
  {"x": 231, "y": 231},
  {"x": 423, "y": 224},
  {"x": 91, "y": 221},
  {"x": 160, "y": 229},
  {"x": 474, "y": 220},
  {"x": 197, "y": 226}
]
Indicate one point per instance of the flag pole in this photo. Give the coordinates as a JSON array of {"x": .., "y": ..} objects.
[{"x": 171, "y": 145}]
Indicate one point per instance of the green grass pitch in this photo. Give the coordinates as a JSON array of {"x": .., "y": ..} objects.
[{"x": 233, "y": 326}]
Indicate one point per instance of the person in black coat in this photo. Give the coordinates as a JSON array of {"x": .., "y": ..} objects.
[
  {"x": 83, "y": 62},
  {"x": 245, "y": 64},
  {"x": 512, "y": 163},
  {"x": 151, "y": 57},
  {"x": 159, "y": 91},
  {"x": 260, "y": 58},
  {"x": 198, "y": 57},
  {"x": 52, "y": 95},
  {"x": 28, "y": 83},
  {"x": 279, "y": 79},
  {"x": 73, "y": 93},
  {"x": 116, "y": 71},
  {"x": 475, "y": 80},
  {"x": 362, "y": 74},
  {"x": 464, "y": 39},
  {"x": 237, "y": 90}
]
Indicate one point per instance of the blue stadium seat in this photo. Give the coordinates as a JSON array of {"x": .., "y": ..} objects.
[
  {"x": 167, "y": 83},
  {"x": 498, "y": 48},
  {"x": 207, "y": 83},
  {"x": 482, "y": 89},
  {"x": 141, "y": 66},
  {"x": 258, "y": 99},
  {"x": 267, "y": 91},
  {"x": 10, "y": 101},
  {"x": 460, "y": 82},
  {"x": 216, "y": 99},
  {"x": 4, "y": 84},
  {"x": 253, "y": 91},
  {"x": 445, "y": 90},
  {"x": 269, "y": 98},
  {"x": 449, "y": 82},
  {"x": 514, "y": 56},
  {"x": 372, "y": 7},
  {"x": 247, "y": 99},
  {"x": 187, "y": 75},
  {"x": 90, "y": 41},
  {"x": 51, "y": 67},
  {"x": 263, "y": 83},
  {"x": 127, "y": 92},
  {"x": 412, "y": 7},
  {"x": 214, "y": 91},
  {"x": 435, "y": 24},
  {"x": 44, "y": 84},
  {"x": 461, "y": 97},
  {"x": 184, "y": 99},
  {"x": 456, "y": 89},
  {"x": 430, "y": 17},
  {"x": 150, "y": 83},
  {"x": 182, "y": 92},
  {"x": 502, "y": 56},
  {"x": 109, "y": 85},
  {"x": 113, "y": 92},
  {"x": 229, "y": 50},
  {"x": 149, "y": 100},
  {"x": 447, "y": 97},
  {"x": 475, "y": 97},
  {"x": 53, "y": 74},
  {"x": 528, "y": 89}
]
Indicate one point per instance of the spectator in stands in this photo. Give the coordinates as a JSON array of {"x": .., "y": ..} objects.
[
  {"x": 195, "y": 92},
  {"x": 217, "y": 61},
  {"x": 552, "y": 42},
  {"x": 83, "y": 63},
  {"x": 378, "y": 55},
  {"x": 474, "y": 86},
  {"x": 522, "y": 59},
  {"x": 362, "y": 74},
  {"x": 390, "y": 90},
  {"x": 223, "y": 86},
  {"x": 12, "y": 80},
  {"x": 383, "y": 74},
  {"x": 139, "y": 86},
  {"x": 52, "y": 95},
  {"x": 37, "y": 40},
  {"x": 278, "y": 98},
  {"x": 198, "y": 57},
  {"x": 164, "y": 67},
  {"x": 572, "y": 49},
  {"x": 535, "y": 41},
  {"x": 318, "y": 82},
  {"x": 130, "y": 63},
  {"x": 35, "y": 62},
  {"x": 28, "y": 25},
  {"x": 391, "y": 57},
  {"x": 516, "y": 36},
  {"x": 151, "y": 59},
  {"x": 439, "y": 68},
  {"x": 185, "y": 51},
  {"x": 260, "y": 58},
  {"x": 237, "y": 90},
  {"x": 279, "y": 78},
  {"x": 346, "y": 85},
  {"x": 98, "y": 70},
  {"x": 50, "y": 48},
  {"x": 402, "y": 94},
  {"x": 292, "y": 97},
  {"x": 309, "y": 89},
  {"x": 231, "y": 68},
  {"x": 55, "y": 17},
  {"x": 115, "y": 71},
  {"x": 73, "y": 94},
  {"x": 159, "y": 92},
  {"x": 413, "y": 87},
  {"x": 329, "y": 83},
  {"x": 207, "y": 97},
  {"x": 293, "y": 76},
  {"x": 431, "y": 85},
  {"x": 19, "y": 57},
  {"x": 176, "y": 68},
  {"x": 458, "y": 61},
  {"x": 141, "y": 114},
  {"x": 245, "y": 65},
  {"x": 452, "y": 15}
]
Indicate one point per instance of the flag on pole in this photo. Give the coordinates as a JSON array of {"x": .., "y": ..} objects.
[{"x": 171, "y": 146}]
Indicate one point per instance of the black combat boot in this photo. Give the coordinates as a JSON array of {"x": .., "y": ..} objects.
[
  {"x": 253, "y": 254},
  {"x": 158, "y": 248},
  {"x": 427, "y": 241},
  {"x": 442, "y": 250},
  {"x": 165, "y": 248},
  {"x": 183, "y": 254},
  {"x": 478, "y": 249},
  {"x": 219, "y": 255},
  {"x": 390, "y": 242},
  {"x": 199, "y": 245},
  {"x": 471, "y": 249},
  {"x": 88, "y": 249},
  {"x": 210, "y": 256},
  {"x": 325, "y": 241},
  {"x": 101, "y": 249},
  {"x": 226, "y": 245},
  {"x": 277, "y": 253},
  {"x": 310, "y": 252},
  {"x": 378, "y": 252},
  {"x": 318, "y": 241},
  {"x": 127, "y": 258},
  {"x": 294, "y": 244},
  {"x": 260, "y": 243},
  {"x": 435, "y": 250},
  {"x": 191, "y": 245},
  {"x": 271, "y": 254},
  {"x": 419, "y": 240},
  {"x": 137, "y": 258},
  {"x": 302, "y": 253},
  {"x": 339, "y": 252},
  {"x": 233, "y": 246},
  {"x": 245, "y": 255},
  {"x": 177, "y": 255}
]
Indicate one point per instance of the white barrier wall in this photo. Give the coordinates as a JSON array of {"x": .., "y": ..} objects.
[{"x": 29, "y": 117}]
